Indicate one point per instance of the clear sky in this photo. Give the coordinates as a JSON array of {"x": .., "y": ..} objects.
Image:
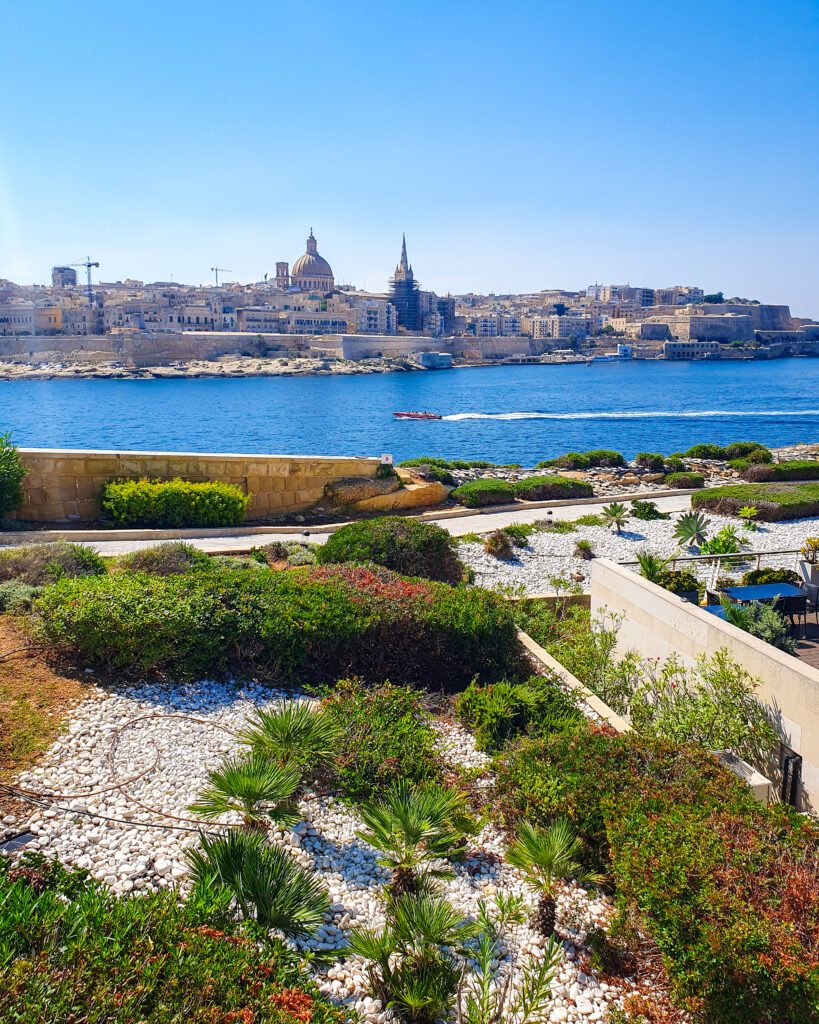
[{"x": 520, "y": 146}]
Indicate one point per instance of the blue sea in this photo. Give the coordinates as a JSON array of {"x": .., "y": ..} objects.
[{"x": 504, "y": 413}]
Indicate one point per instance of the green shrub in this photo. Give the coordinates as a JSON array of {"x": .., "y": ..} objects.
[
  {"x": 675, "y": 465},
  {"x": 499, "y": 712},
  {"x": 173, "y": 503},
  {"x": 685, "y": 480},
  {"x": 725, "y": 453},
  {"x": 762, "y": 621},
  {"x": 774, "y": 502},
  {"x": 385, "y": 737},
  {"x": 12, "y": 474},
  {"x": 428, "y": 460},
  {"x": 39, "y": 564},
  {"x": 312, "y": 623},
  {"x": 646, "y": 510},
  {"x": 442, "y": 476},
  {"x": 679, "y": 581},
  {"x": 166, "y": 559},
  {"x": 756, "y": 577},
  {"x": 520, "y": 533},
  {"x": 796, "y": 469},
  {"x": 479, "y": 493},
  {"x": 590, "y": 519},
  {"x": 16, "y": 597},
  {"x": 408, "y": 546},
  {"x": 584, "y": 460},
  {"x": 652, "y": 461},
  {"x": 499, "y": 544},
  {"x": 546, "y": 488},
  {"x": 584, "y": 549},
  {"x": 72, "y": 951}
]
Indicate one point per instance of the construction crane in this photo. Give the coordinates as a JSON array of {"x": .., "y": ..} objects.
[
  {"x": 220, "y": 270},
  {"x": 88, "y": 263}
]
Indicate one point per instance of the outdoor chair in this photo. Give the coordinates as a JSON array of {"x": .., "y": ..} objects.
[
  {"x": 712, "y": 597},
  {"x": 794, "y": 608}
]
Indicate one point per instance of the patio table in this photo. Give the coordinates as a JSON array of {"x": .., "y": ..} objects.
[{"x": 763, "y": 593}]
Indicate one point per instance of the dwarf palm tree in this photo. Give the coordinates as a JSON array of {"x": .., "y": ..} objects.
[
  {"x": 615, "y": 515},
  {"x": 691, "y": 529},
  {"x": 412, "y": 826},
  {"x": 258, "y": 789},
  {"x": 652, "y": 566},
  {"x": 545, "y": 857},
  {"x": 266, "y": 882},
  {"x": 296, "y": 732}
]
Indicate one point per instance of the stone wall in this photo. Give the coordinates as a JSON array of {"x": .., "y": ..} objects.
[
  {"x": 657, "y": 623},
  {"x": 64, "y": 485}
]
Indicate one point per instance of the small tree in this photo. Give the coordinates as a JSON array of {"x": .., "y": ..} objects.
[
  {"x": 615, "y": 515},
  {"x": 12, "y": 473}
]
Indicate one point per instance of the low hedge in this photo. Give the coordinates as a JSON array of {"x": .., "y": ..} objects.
[
  {"x": 545, "y": 488},
  {"x": 774, "y": 502},
  {"x": 312, "y": 623},
  {"x": 796, "y": 469},
  {"x": 408, "y": 546},
  {"x": 654, "y": 462},
  {"x": 173, "y": 503},
  {"x": 479, "y": 493},
  {"x": 168, "y": 559},
  {"x": 727, "y": 889},
  {"x": 684, "y": 480},
  {"x": 584, "y": 460}
]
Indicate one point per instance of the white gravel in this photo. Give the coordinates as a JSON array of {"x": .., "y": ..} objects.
[
  {"x": 157, "y": 736},
  {"x": 550, "y": 555}
]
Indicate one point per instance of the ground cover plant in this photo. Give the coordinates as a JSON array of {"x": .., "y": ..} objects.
[
  {"x": 12, "y": 474},
  {"x": 315, "y": 623},
  {"x": 584, "y": 460},
  {"x": 796, "y": 469},
  {"x": 40, "y": 564},
  {"x": 725, "y": 453},
  {"x": 168, "y": 559},
  {"x": 774, "y": 502},
  {"x": 483, "y": 492},
  {"x": 173, "y": 503},
  {"x": 71, "y": 951},
  {"x": 685, "y": 480},
  {"x": 385, "y": 736},
  {"x": 546, "y": 488},
  {"x": 408, "y": 546}
]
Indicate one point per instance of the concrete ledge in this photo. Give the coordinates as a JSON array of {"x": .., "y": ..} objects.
[{"x": 548, "y": 662}]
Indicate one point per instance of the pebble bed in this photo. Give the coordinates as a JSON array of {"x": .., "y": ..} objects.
[
  {"x": 152, "y": 732},
  {"x": 550, "y": 555}
]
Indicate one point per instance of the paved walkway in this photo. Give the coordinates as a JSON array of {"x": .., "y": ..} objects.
[{"x": 457, "y": 526}]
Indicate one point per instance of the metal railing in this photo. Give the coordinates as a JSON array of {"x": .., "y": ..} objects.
[{"x": 710, "y": 567}]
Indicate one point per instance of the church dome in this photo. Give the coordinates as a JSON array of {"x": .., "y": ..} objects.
[{"x": 311, "y": 269}]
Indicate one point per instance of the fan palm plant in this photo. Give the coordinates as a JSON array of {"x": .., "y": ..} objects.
[
  {"x": 296, "y": 732},
  {"x": 615, "y": 515},
  {"x": 257, "y": 788},
  {"x": 652, "y": 566},
  {"x": 413, "y": 826},
  {"x": 691, "y": 529},
  {"x": 545, "y": 857},
  {"x": 266, "y": 882}
]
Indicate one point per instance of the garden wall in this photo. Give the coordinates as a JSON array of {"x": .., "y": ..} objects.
[
  {"x": 64, "y": 485},
  {"x": 657, "y": 623}
]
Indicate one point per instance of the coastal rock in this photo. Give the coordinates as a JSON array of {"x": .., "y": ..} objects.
[{"x": 351, "y": 490}]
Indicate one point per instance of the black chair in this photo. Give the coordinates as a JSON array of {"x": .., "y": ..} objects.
[
  {"x": 711, "y": 597},
  {"x": 794, "y": 608}
]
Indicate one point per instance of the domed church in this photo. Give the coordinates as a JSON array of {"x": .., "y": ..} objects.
[{"x": 311, "y": 272}]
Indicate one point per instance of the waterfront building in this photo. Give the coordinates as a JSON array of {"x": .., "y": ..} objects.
[{"x": 404, "y": 293}]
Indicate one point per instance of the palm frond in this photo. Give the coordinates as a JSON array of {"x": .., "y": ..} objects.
[
  {"x": 544, "y": 856},
  {"x": 296, "y": 732},
  {"x": 255, "y": 787}
]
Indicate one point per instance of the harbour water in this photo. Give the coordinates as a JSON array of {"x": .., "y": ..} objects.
[{"x": 505, "y": 413}]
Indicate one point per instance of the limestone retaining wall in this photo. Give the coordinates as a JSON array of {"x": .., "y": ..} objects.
[
  {"x": 657, "y": 623},
  {"x": 64, "y": 485}
]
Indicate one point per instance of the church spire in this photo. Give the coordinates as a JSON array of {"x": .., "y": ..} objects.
[{"x": 403, "y": 269}]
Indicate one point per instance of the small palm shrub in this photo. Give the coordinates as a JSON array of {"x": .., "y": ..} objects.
[
  {"x": 685, "y": 480},
  {"x": 654, "y": 462},
  {"x": 616, "y": 515},
  {"x": 500, "y": 712},
  {"x": 584, "y": 549},
  {"x": 166, "y": 559},
  {"x": 40, "y": 564},
  {"x": 296, "y": 733},
  {"x": 646, "y": 510},
  {"x": 499, "y": 544},
  {"x": 408, "y": 546},
  {"x": 691, "y": 529},
  {"x": 12, "y": 474},
  {"x": 384, "y": 735},
  {"x": 173, "y": 503},
  {"x": 547, "y": 488},
  {"x": 414, "y": 826},
  {"x": 545, "y": 857},
  {"x": 483, "y": 492},
  {"x": 257, "y": 788},
  {"x": 267, "y": 884},
  {"x": 652, "y": 565},
  {"x": 17, "y": 598},
  {"x": 762, "y": 621}
]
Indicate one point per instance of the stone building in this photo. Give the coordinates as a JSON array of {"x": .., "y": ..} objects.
[{"x": 311, "y": 272}]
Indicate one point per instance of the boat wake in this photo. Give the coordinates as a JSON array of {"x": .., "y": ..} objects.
[{"x": 691, "y": 414}]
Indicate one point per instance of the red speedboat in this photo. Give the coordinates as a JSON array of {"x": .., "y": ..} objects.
[{"x": 417, "y": 416}]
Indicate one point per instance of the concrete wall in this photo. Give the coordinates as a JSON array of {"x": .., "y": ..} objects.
[
  {"x": 64, "y": 485},
  {"x": 657, "y": 624}
]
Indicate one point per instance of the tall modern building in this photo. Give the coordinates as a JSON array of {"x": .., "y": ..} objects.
[{"x": 404, "y": 293}]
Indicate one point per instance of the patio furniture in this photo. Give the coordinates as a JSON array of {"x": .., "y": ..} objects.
[
  {"x": 794, "y": 608},
  {"x": 712, "y": 597},
  {"x": 763, "y": 593}
]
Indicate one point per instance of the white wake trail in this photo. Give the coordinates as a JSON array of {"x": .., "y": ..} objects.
[{"x": 691, "y": 414}]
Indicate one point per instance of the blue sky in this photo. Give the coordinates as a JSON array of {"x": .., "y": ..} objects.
[{"x": 520, "y": 146}]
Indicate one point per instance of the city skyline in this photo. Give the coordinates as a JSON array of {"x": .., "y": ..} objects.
[{"x": 539, "y": 151}]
